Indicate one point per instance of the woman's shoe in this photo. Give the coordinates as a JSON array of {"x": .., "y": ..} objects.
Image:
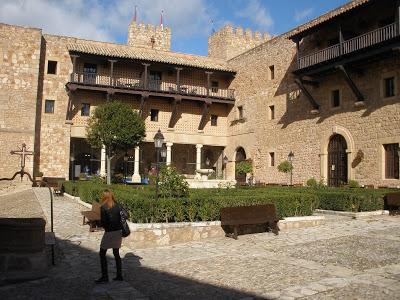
[
  {"x": 118, "y": 278},
  {"x": 102, "y": 279}
]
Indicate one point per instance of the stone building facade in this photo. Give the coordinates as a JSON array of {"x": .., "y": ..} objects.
[{"x": 253, "y": 97}]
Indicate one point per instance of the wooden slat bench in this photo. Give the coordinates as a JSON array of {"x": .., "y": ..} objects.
[
  {"x": 393, "y": 202},
  {"x": 92, "y": 217},
  {"x": 249, "y": 215}
]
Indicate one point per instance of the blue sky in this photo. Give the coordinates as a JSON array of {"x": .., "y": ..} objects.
[{"x": 191, "y": 21}]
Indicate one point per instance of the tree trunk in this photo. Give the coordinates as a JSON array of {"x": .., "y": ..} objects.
[{"x": 108, "y": 159}]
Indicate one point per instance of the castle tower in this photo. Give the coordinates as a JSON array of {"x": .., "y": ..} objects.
[
  {"x": 227, "y": 42},
  {"x": 149, "y": 36}
]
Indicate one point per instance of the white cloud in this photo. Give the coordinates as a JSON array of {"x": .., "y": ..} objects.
[
  {"x": 303, "y": 14},
  {"x": 105, "y": 20},
  {"x": 257, "y": 14}
]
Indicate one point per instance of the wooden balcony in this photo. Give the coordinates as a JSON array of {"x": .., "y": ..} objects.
[
  {"x": 350, "y": 46},
  {"x": 152, "y": 87}
]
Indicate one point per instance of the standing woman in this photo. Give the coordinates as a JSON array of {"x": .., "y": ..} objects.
[{"x": 112, "y": 238}]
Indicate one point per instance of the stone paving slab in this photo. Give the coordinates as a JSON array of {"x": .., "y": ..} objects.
[{"x": 346, "y": 259}]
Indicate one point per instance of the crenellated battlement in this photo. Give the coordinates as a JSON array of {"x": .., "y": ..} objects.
[
  {"x": 149, "y": 36},
  {"x": 229, "y": 42}
]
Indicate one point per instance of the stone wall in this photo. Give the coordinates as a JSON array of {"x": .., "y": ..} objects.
[
  {"x": 19, "y": 73},
  {"x": 227, "y": 42},
  {"x": 149, "y": 36},
  {"x": 295, "y": 129}
]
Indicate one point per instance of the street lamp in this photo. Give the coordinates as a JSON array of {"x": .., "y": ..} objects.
[
  {"x": 158, "y": 143},
  {"x": 125, "y": 165},
  {"x": 72, "y": 159},
  {"x": 290, "y": 159}
]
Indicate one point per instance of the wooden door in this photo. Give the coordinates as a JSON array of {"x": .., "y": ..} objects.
[{"x": 337, "y": 161}]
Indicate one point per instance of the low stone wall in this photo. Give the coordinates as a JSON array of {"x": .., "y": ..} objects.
[
  {"x": 354, "y": 215},
  {"x": 210, "y": 183}
]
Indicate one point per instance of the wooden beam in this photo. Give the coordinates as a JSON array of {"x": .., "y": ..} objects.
[
  {"x": 398, "y": 16},
  {"x": 351, "y": 84},
  {"x": 298, "y": 53},
  {"x": 310, "y": 82},
  {"x": 204, "y": 115},
  {"x": 310, "y": 98},
  {"x": 145, "y": 76},
  {"x": 208, "y": 82},
  {"x": 143, "y": 100},
  {"x": 178, "y": 81},
  {"x": 175, "y": 112}
]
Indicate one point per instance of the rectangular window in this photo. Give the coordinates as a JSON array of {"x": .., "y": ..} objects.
[
  {"x": 391, "y": 161},
  {"x": 335, "y": 98},
  {"x": 154, "y": 115},
  {"x": 214, "y": 119},
  {"x": 51, "y": 67},
  {"x": 214, "y": 86},
  {"x": 49, "y": 107},
  {"x": 89, "y": 73},
  {"x": 85, "y": 110},
  {"x": 240, "y": 112},
  {"x": 272, "y": 112},
  {"x": 272, "y": 72},
  {"x": 272, "y": 159},
  {"x": 389, "y": 87}
]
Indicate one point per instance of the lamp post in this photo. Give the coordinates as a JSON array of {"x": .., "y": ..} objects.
[
  {"x": 290, "y": 159},
  {"x": 125, "y": 165},
  {"x": 72, "y": 159},
  {"x": 225, "y": 161},
  {"x": 158, "y": 143}
]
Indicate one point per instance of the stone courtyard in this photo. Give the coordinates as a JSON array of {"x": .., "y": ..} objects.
[{"x": 342, "y": 259}]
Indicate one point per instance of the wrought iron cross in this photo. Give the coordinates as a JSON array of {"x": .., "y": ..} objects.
[{"x": 22, "y": 153}]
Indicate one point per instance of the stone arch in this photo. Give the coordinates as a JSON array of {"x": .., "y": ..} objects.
[
  {"x": 324, "y": 151},
  {"x": 240, "y": 155}
]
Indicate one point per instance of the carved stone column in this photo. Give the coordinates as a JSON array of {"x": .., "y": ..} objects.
[
  {"x": 103, "y": 162},
  {"x": 169, "y": 151},
  {"x": 136, "y": 176}
]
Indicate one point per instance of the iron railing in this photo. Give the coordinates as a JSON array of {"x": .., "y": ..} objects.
[
  {"x": 357, "y": 43},
  {"x": 186, "y": 88}
]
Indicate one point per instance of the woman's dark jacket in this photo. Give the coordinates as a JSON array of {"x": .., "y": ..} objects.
[{"x": 111, "y": 218}]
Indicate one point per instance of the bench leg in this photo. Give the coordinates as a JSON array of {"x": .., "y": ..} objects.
[
  {"x": 235, "y": 232},
  {"x": 275, "y": 228}
]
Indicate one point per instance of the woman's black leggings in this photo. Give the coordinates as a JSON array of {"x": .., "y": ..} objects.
[{"x": 103, "y": 261}]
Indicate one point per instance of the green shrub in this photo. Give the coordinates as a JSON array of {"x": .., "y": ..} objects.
[
  {"x": 172, "y": 184},
  {"x": 312, "y": 182},
  {"x": 353, "y": 184}
]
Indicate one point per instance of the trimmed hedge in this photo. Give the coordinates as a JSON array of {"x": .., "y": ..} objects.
[{"x": 205, "y": 204}]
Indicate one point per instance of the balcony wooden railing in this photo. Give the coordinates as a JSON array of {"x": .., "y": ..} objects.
[
  {"x": 357, "y": 43},
  {"x": 151, "y": 85}
]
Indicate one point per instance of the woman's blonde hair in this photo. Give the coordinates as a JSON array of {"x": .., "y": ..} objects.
[{"x": 108, "y": 199}]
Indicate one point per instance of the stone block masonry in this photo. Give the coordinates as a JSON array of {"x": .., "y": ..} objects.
[
  {"x": 19, "y": 76},
  {"x": 149, "y": 36}
]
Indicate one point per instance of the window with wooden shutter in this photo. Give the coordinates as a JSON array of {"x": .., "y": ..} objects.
[{"x": 391, "y": 161}]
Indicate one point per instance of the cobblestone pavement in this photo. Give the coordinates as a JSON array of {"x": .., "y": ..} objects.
[{"x": 343, "y": 259}]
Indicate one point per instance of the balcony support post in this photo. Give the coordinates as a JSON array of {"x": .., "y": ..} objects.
[
  {"x": 143, "y": 100},
  {"x": 353, "y": 87},
  {"x": 74, "y": 57},
  {"x": 310, "y": 98},
  {"x": 178, "y": 82},
  {"x": 175, "y": 112},
  {"x": 208, "y": 82},
  {"x": 145, "y": 81},
  {"x": 298, "y": 53},
  {"x": 398, "y": 17},
  {"x": 204, "y": 115},
  {"x": 112, "y": 61},
  {"x": 341, "y": 40}
]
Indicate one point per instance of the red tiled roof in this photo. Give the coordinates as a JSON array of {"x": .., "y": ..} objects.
[{"x": 328, "y": 16}]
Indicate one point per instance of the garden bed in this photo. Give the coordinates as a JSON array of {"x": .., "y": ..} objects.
[{"x": 204, "y": 204}]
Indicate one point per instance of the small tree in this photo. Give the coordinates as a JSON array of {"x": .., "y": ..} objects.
[
  {"x": 244, "y": 167},
  {"x": 285, "y": 167},
  {"x": 116, "y": 126},
  {"x": 172, "y": 184}
]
